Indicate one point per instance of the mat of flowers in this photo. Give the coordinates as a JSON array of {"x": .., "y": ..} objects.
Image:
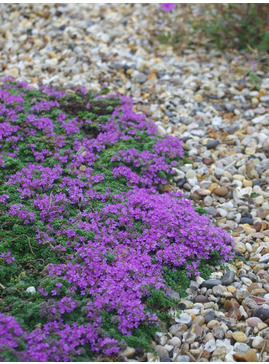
[{"x": 88, "y": 232}]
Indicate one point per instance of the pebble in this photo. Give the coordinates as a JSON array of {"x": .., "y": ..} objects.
[
  {"x": 31, "y": 289},
  {"x": 221, "y": 191},
  {"x": 210, "y": 283},
  {"x": 239, "y": 337},
  {"x": 228, "y": 278},
  {"x": 262, "y": 313}
]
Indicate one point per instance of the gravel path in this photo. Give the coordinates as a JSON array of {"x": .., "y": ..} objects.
[{"x": 212, "y": 101}]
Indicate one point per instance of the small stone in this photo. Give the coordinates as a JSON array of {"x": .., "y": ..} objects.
[
  {"x": 228, "y": 278},
  {"x": 262, "y": 313},
  {"x": 241, "y": 348},
  {"x": 210, "y": 346},
  {"x": 152, "y": 357},
  {"x": 141, "y": 78},
  {"x": 175, "y": 341},
  {"x": 259, "y": 327},
  {"x": 188, "y": 304},
  {"x": 257, "y": 342},
  {"x": 210, "y": 283},
  {"x": 263, "y": 119},
  {"x": 128, "y": 352},
  {"x": 240, "y": 247},
  {"x": 200, "y": 298},
  {"x": 218, "y": 333},
  {"x": 211, "y": 315},
  {"x": 213, "y": 323},
  {"x": 212, "y": 144},
  {"x": 161, "y": 351},
  {"x": 198, "y": 98},
  {"x": 247, "y": 183},
  {"x": 264, "y": 258},
  {"x": 221, "y": 191},
  {"x": 220, "y": 351},
  {"x": 177, "y": 328},
  {"x": 251, "y": 356},
  {"x": 239, "y": 337},
  {"x": 31, "y": 289},
  {"x": 182, "y": 358},
  {"x": 231, "y": 289},
  {"x": 246, "y": 220},
  {"x": 13, "y": 72},
  {"x": 184, "y": 318},
  {"x": 258, "y": 291},
  {"x": 249, "y": 247}
]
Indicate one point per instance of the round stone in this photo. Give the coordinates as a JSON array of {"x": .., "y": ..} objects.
[
  {"x": 211, "y": 315},
  {"x": 257, "y": 342},
  {"x": 241, "y": 348},
  {"x": 210, "y": 283},
  {"x": 212, "y": 144},
  {"x": 31, "y": 289},
  {"x": 239, "y": 336},
  {"x": 184, "y": 318},
  {"x": 228, "y": 278},
  {"x": 161, "y": 351},
  {"x": 262, "y": 313},
  {"x": 213, "y": 323},
  {"x": 221, "y": 191},
  {"x": 200, "y": 298},
  {"x": 240, "y": 247}
]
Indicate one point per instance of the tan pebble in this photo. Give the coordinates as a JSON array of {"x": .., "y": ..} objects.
[
  {"x": 238, "y": 177},
  {"x": 261, "y": 325},
  {"x": 128, "y": 352},
  {"x": 221, "y": 191},
  {"x": 198, "y": 98},
  {"x": 254, "y": 100},
  {"x": 258, "y": 291},
  {"x": 121, "y": 90},
  {"x": 257, "y": 268},
  {"x": 247, "y": 183},
  {"x": 13, "y": 72},
  {"x": 213, "y": 323},
  {"x": 251, "y": 356},
  {"x": 82, "y": 168},
  {"x": 255, "y": 258},
  {"x": 220, "y": 351},
  {"x": 213, "y": 186},
  {"x": 249, "y": 230},
  {"x": 239, "y": 336},
  {"x": 250, "y": 151},
  {"x": 231, "y": 289},
  {"x": 240, "y": 247}
]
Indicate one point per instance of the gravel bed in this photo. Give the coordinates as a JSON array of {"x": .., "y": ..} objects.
[{"x": 205, "y": 97}]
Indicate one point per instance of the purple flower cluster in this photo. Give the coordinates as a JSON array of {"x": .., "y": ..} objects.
[{"x": 119, "y": 249}]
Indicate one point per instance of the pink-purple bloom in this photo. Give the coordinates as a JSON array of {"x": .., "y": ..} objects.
[
  {"x": 95, "y": 201},
  {"x": 168, "y": 6}
]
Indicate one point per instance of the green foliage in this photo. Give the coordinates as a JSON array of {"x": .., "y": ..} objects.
[
  {"x": 239, "y": 26},
  {"x": 169, "y": 39}
]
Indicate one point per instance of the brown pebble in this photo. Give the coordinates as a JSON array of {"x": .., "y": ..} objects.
[{"x": 221, "y": 191}]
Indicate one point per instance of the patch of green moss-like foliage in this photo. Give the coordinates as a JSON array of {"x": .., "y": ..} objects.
[{"x": 90, "y": 244}]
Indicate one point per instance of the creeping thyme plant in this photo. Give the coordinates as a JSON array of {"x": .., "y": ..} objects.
[{"x": 84, "y": 219}]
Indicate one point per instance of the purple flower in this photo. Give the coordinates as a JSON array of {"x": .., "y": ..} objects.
[{"x": 168, "y": 7}]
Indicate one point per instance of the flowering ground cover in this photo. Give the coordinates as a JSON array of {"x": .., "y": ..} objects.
[{"x": 85, "y": 219}]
